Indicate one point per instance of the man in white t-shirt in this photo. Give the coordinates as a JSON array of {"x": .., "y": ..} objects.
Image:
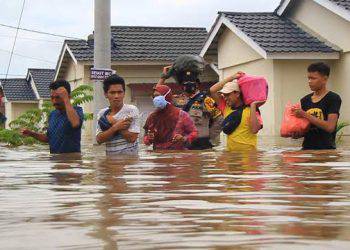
[{"x": 119, "y": 124}]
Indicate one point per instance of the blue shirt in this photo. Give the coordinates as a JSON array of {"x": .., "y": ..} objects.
[{"x": 63, "y": 138}]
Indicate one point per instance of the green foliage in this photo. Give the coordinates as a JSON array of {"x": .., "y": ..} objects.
[
  {"x": 30, "y": 120},
  {"x": 88, "y": 116},
  {"x": 37, "y": 119},
  {"x": 82, "y": 94},
  {"x": 11, "y": 137},
  {"x": 340, "y": 126}
]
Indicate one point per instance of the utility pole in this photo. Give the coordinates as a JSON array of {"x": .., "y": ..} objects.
[{"x": 102, "y": 53}]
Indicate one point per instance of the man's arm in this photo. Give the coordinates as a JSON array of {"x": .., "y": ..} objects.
[
  {"x": 164, "y": 76},
  {"x": 329, "y": 126},
  {"x": 109, "y": 133},
  {"x": 38, "y": 136},
  {"x": 148, "y": 138},
  {"x": 255, "y": 125},
  {"x": 129, "y": 136},
  {"x": 72, "y": 114},
  {"x": 214, "y": 90}
]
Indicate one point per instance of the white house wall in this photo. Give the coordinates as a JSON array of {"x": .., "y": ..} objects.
[
  {"x": 233, "y": 51},
  {"x": 74, "y": 74},
  {"x": 20, "y": 108},
  {"x": 341, "y": 84},
  {"x": 323, "y": 22}
]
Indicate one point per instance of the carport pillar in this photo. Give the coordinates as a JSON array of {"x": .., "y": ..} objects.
[
  {"x": 102, "y": 53},
  {"x": 8, "y": 114}
]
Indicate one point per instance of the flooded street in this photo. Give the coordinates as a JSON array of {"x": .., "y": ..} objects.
[{"x": 275, "y": 198}]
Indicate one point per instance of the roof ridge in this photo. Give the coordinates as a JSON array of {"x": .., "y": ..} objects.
[
  {"x": 41, "y": 69},
  {"x": 145, "y": 43},
  {"x": 3, "y": 79},
  {"x": 244, "y": 12},
  {"x": 156, "y": 27}
]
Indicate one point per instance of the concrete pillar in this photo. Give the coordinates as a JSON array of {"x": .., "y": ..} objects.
[
  {"x": 102, "y": 52},
  {"x": 8, "y": 114}
]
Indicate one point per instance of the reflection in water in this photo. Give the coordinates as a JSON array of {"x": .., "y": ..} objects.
[{"x": 263, "y": 199}]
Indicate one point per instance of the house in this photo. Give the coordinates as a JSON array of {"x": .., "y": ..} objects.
[
  {"x": 138, "y": 55},
  {"x": 22, "y": 94},
  {"x": 280, "y": 46}
]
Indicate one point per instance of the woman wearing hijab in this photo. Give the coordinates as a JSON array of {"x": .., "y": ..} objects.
[{"x": 168, "y": 127}]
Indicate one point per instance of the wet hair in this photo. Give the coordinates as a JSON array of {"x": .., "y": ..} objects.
[
  {"x": 60, "y": 83},
  {"x": 319, "y": 67},
  {"x": 112, "y": 80}
]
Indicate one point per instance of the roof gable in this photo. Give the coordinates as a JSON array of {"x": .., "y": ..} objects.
[
  {"x": 271, "y": 35},
  {"x": 17, "y": 89},
  {"x": 339, "y": 7},
  {"x": 42, "y": 79}
]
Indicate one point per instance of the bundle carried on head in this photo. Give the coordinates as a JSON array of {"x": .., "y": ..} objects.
[{"x": 187, "y": 68}]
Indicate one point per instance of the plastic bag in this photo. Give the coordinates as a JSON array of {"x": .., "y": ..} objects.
[
  {"x": 292, "y": 124},
  {"x": 253, "y": 88}
]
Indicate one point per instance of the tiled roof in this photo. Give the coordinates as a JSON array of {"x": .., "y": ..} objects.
[
  {"x": 17, "y": 90},
  {"x": 276, "y": 34},
  {"x": 42, "y": 79},
  {"x": 134, "y": 43},
  {"x": 342, "y": 3}
]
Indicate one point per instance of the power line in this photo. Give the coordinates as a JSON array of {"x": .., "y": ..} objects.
[
  {"x": 39, "y": 32},
  {"x": 34, "y": 39},
  {"x": 14, "y": 43},
  {"x": 29, "y": 57},
  {"x": 12, "y": 75}
]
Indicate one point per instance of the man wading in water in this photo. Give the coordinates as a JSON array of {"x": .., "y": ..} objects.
[
  {"x": 242, "y": 123},
  {"x": 118, "y": 125},
  {"x": 321, "y": 108},
  {"x": 64, "y": 129}
]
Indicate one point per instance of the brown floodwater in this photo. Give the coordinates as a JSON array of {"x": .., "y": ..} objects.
[{"x": 275, "y": 198}]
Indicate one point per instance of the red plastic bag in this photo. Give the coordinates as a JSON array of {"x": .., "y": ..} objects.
[
  {"x": 292, "y": 124},
  {"x": 253, "y": 88}
]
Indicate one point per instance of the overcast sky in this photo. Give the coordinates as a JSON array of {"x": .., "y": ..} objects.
[{"x": 75, "y": 18}]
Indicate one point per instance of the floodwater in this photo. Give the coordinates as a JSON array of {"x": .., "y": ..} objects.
[{"x": 275, "y": 198}]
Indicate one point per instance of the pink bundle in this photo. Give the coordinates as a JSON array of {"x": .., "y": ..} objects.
[
  {"x": 292, "y": 124},
  {"x": 253, "y": 88}
]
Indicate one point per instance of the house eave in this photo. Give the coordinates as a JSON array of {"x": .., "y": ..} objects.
[
  {"x": 282, "y": 7},
  {"x": 132, "y": 63},
  {"x": 304, "y": 56},
  {"x": 343, "y": 13},
  {"x": 19, "y": 101}
]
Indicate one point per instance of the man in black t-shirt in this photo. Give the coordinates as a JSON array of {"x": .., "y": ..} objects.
[{"x": 321, "y": 108}]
